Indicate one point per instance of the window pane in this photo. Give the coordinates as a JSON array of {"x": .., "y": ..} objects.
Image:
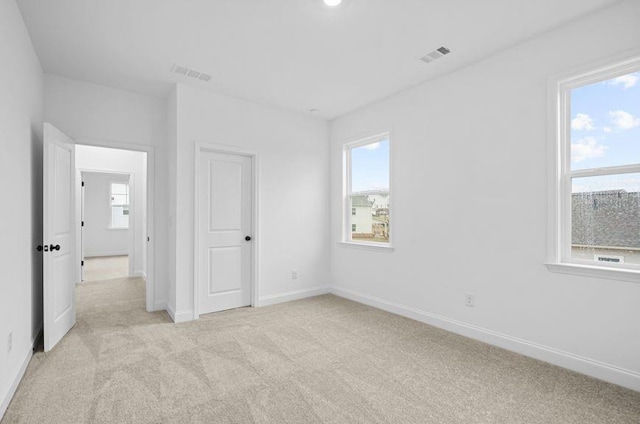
[
  {"x": 370, "y": 192},
  {"x": 120, "y": 217},
  {"x": 119, "y": 199},
  {"x": 370, "y": 167},
  {"x": 605, "y": 123},
  {"x": 605, "y": 218},
  {"x": 370, "y": 217}
]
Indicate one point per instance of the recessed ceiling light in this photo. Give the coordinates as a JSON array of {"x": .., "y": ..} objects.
[{"x": 332, "y": 2}]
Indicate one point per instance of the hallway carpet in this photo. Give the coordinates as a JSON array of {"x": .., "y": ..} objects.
[
  {"x": 318, "y": 360},
  {"x": 105, "y": 268}
]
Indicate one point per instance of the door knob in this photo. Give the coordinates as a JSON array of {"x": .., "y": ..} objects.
[
  {"x": 248, "y": 238},
  {"x": 52, "y": 247},
  {"x": 39, "y": 248}
]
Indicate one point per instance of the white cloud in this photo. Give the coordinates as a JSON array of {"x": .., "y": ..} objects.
[
  {"x": 582, "y": 121},
  {"x": 586, "y": 148},
  {"x": 626, "y": 81},
  {"x": 372, "y": 146},
  {"x": 623, "y": 120},
  {"x": 607, "y": 129}
]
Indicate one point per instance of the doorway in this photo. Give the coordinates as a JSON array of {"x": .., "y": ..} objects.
[
  {"x": 225, "y": 227},
  {"x": 108, "y": 218},
  {"x": 111, "y": 213},
  {"x": 64, "y": 160}
]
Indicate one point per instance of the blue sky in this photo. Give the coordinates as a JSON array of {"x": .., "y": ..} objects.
[
  {"x": 605, "y": 131},
  {"x": 370, "y": 167}
]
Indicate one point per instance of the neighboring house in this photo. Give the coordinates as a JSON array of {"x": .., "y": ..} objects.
[
  {"x": 369, "y": 215},
  {"x": 380, "y": 203},
  {"x": 381, "y": 227},
  {"x": 606, "y": 219},
  {"x": 361, "y": 216}
]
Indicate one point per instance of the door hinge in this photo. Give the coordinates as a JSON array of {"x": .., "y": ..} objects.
[
  {"x": 83, "y": 184},
  {"x": 81, "y": 263},
  {"x": 82, "y": 225}
]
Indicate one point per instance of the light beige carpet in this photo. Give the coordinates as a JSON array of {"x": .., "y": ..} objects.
[
  {"x": 105, "y": 268},
  {"x": 319, "y": 360}
]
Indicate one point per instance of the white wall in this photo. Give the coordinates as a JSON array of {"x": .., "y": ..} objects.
[
  {"x": 92, "y": 113},
  {"x": 21, "y": 104},
  {"x": 293, "y": 180},
  {"x": 124, "y": 161},
  {"x": 99, "y": 239},
  {"x": 473, "y": 145}
]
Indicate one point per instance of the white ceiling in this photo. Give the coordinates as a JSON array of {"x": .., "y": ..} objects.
[{"x": 292, "y": 54}]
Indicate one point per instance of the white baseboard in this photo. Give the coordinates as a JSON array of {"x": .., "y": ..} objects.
[
  {"x": 159, "y": 306},
  {"x": 171, "y": 312},
  {"x": 6, "y": 398},
  {"x": 180, "y": 316},
  {"x": 106, "y": 253},
  {"x": 292, "y": 295},
  {"x": 139, "y": 274},
  {"x": 183, "y": 316},
  {"x": 600, "y": 370}
]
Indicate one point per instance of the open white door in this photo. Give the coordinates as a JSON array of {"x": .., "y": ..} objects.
[
  {"x": 59, "y": 250},
  {"x": 81, "y": 247}
]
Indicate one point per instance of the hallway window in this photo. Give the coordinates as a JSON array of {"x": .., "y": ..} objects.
[
  {"x": 367, "y": 194},
  {"x": 119, "y": 205}
]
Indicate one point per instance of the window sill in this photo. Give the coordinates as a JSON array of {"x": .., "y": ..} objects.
[
  {"x": 366, "y": 246},
  {"x": 595, "y": 271}
]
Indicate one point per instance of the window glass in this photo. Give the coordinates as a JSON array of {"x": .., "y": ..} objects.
[
  {"x": 605, "y": 218},
  {"x": 368, "y": 192},
  {"x": 370, "y": 167},
  {"x": 119, "y": 205},
  {"x": 605, "y": 123},
  {"x": 604, "y": 171}
]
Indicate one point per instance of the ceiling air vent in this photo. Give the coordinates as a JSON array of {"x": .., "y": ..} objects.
[
  {"x": 181, "y": 70},
  {"x": 435, "y": 54}
]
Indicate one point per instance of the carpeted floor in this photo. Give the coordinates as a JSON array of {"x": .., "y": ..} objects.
[
  {"x": 105, "y": 268},
  {"x": 319, "y": 360}
]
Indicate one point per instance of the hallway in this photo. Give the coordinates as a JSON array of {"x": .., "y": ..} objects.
[{"x": 105, "y": 268}]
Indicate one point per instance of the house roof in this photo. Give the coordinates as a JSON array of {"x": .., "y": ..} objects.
[
  {"x": 361, "y": 201},
  {"x": 606, "y": 218}
]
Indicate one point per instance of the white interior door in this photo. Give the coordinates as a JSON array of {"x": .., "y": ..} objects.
[
  {"x": 224, "y": 238},
  {"x": 59, "y": 254}
]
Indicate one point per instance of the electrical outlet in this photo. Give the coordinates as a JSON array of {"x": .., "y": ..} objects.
[
  {"x": 294, "y": 275},
  {"x": 9, "y": 342},
  {"x": 470, "y": 300}
]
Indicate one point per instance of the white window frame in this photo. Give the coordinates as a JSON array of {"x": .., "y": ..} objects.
[
  {"x": 561, "y": 175},
  {"x": 110, "y": 225},
  {"x": 346, "y": 197}
]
